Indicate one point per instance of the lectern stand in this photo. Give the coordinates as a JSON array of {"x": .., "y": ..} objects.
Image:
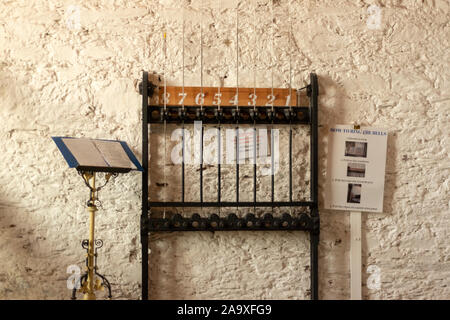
[{"x": 90, "y": 157}]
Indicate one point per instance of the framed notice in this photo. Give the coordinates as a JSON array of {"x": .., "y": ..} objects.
[{"x": 356, "y": 168}]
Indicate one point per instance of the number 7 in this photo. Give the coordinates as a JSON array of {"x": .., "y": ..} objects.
[{"x": 183, "y": 96}]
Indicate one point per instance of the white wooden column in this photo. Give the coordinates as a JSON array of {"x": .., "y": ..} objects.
[{"x": 355, "y": 256}]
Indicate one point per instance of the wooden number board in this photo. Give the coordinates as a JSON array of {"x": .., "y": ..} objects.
[{"x": 213, "y": 96}]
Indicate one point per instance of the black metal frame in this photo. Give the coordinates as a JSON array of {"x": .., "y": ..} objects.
[{"x": 309, "y": 222}]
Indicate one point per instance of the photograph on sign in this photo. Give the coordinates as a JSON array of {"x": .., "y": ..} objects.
[
  {"x": 355, "y": 149},
  {"x": 354, "y": 193},
  {"x": 356, "y": 167}
]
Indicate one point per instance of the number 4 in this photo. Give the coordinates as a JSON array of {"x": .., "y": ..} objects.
[{"x": 235, "y": 100}]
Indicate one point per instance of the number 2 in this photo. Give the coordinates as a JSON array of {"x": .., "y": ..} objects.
[{"x": 271, "y": 99}]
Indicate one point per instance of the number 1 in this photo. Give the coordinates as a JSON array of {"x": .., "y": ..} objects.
[{"x": 288, "y": 101}]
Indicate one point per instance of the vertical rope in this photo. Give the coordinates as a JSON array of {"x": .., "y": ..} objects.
[
  {"x": 201, "y": 104},
  {"x": 165, "y": 98},
  {"x": 254, "y": 106},
  {"x": 219, "y": 146},
  {"x": 182, "y": 126},
  {"x": 237, "y": 104},
  {"x": 201, "y": 54},
  {"x": 290, "y": 105},
  {"x": 272, "y": 131}
]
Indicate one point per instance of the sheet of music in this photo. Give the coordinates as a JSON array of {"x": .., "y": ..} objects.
[
  {"x": 114, "y": 154},
  {"x": 85, "y": 152}
]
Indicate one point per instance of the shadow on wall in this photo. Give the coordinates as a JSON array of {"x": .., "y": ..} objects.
[
  {"x": 29, "y": 269},
  {"x": 369, "y": 272},
  {"x": 332, "y": 110},
  {"x": 15, "y": 278},
  {"x": 166, "y": 248},
  {"x": 334, "y": 242},
  {"x": 36, "y": 248},
  {"x": 335, "y": 231}
]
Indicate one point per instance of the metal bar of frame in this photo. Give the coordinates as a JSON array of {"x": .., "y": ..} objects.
[
  {"x": 237, "y": 164},
  {"x": 290, "y": 164},
  {"x": 178, "y": 223},
  {"x": 314, "y": 166},
  {"x": 145, "y": 207},
  {"x": 219, "y": 161},
  {"x": 313, "y": 224},
  {"x": 272, "y": 165},
  {"x": 255, "y": 144},
  {"x": 199, "y": 204},
  {"x": 182, "y": 164},
  {"x": 201, "y": 165}
]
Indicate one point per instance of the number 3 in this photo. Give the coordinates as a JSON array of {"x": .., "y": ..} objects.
[{"x": 252, "y": 98}]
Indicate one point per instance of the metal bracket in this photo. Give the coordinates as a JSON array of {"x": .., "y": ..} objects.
[{"x": 150, "y": 89}]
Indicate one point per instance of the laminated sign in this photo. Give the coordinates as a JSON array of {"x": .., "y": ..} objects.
[{"x": 356, "y": 168}]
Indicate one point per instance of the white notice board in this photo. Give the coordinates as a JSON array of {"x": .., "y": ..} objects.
[{"x": 356, "y": 168}]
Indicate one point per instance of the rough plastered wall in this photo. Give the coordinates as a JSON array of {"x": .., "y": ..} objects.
[{"x": 71, "y": 68}]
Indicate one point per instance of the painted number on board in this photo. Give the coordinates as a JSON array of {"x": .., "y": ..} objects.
[
  {"x": 183, "y": 96},
  {"x": 252, "y": 98},
  {"x": 200, "y": 98},
  {"x": 166, "y": 98},
  {"x": 270, "y": 100},
  {"x": 217, "y": 99},
  {"x": 235, "y": 100}
]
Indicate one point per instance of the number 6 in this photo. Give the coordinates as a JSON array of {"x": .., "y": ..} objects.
[{"x": 200, "y": 98}]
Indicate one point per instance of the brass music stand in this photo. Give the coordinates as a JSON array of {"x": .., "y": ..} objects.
[
  {"x": 89, "y": 157},
  {"x": 87, "y": 282}
]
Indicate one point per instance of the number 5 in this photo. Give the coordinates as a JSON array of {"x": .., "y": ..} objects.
[{"x": 217, "y": 99}]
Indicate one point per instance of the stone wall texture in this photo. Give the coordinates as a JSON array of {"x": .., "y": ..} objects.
[{"x": 71, "y": 68}]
